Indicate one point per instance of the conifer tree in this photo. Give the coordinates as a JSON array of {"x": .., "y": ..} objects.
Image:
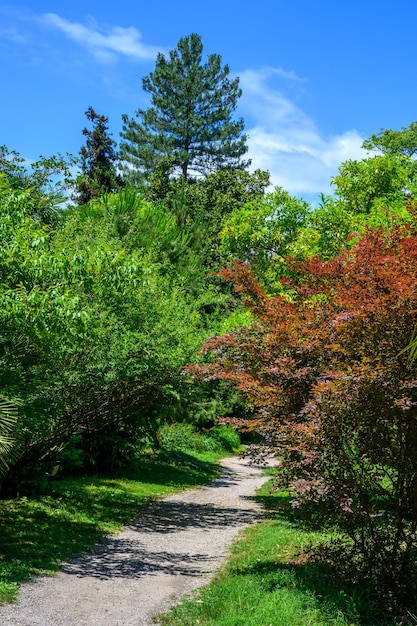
[
  {"x": 98, "y": 159},
  {"x": 189, "y": 122}
]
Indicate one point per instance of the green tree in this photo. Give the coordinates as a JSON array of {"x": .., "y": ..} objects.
[
  {"x": 96, "y": 321},
  {"x": 202, "y": 205},
  {"x": 191, "y": 115},
  {"x": 390, "y": 141},
  {"x": 45, "y": 182},
  {"x": 380, "y": 180},
  {"x": 98, "y": 159},
  {"x": 262, "y": 232},
  {"x": 214, "y": 198}
]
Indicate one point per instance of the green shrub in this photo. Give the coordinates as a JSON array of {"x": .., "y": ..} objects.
[
  {"x": 227, "y": 436},
  {"x": 185, "y": 437}
]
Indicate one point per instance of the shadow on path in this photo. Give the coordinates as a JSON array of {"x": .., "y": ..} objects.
[
  {"x": 133, "y": 556},
  {"x": 171, "y": 548},
  {"x": 115, "y": 563},
  {"x": 171, "y": 517}
]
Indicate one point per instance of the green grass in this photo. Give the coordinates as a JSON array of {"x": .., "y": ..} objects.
[
  {"x": 265, "y": 583},
  {"x": 39, "y": 533}
]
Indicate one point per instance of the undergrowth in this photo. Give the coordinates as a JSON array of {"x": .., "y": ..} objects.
[{"x": 185, "y": 437}]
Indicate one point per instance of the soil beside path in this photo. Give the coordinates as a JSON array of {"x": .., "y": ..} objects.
[{"x": 175, "y": 545}]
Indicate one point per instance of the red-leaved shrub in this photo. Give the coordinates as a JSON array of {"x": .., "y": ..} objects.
[{"x": 334, "y": 394}]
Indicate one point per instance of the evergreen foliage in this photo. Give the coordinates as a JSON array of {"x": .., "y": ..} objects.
[
  {"x": 190, "y": 117},
  {"x": 204, "y": 204},
  {"x": 98, "y": 161}
]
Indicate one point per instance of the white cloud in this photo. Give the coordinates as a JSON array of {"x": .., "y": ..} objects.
[
  {"x": 12, "y": 34},
  {"x": 285, "y": 140},
  {"x": 104, "y": 44}
]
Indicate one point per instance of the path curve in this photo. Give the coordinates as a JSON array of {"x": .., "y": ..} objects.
[{"x": 174, "y": 546}]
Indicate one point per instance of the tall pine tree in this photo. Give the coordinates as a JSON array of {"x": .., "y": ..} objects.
[
  {"x": 190, "y": 121},
  {"x": 98, "y": 159}
]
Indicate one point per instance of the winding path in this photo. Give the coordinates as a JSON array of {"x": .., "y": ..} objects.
[{"x": 175, "y": 545}]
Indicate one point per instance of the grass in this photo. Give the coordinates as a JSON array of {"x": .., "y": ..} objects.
[
  {"x": 265, "y": 583},
  {"x": 40, "y": 533}
]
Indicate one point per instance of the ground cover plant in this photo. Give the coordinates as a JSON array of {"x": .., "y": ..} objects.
[{"x": 71, "y": 514}]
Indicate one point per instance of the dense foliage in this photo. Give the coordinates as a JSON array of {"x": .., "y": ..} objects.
[
  {"x": 390, "y": 141},
  {"x": 103, "y": 304},
  {"x": 334, "y": 395},
  {"x": 96, "y": 321}
]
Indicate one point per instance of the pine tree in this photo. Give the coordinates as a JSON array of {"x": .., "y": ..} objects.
[
  {"x": 98, "y": 159},
  {"x": 190, "y": 121}
]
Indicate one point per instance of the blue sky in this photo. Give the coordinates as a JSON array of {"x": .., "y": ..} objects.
[{"x": 317, "y": 77}]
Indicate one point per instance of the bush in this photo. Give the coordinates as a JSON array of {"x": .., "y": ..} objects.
[
  {"x": 183, "y": 437},
  {"x": 96, "y": 322},
  {"x": 227, "y": 436},
  {"x": 335, "y": 396}
]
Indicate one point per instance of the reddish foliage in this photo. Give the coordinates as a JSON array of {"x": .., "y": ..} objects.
[{"x": 333, "y": 393}]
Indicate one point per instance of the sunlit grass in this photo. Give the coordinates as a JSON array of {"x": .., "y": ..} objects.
[
  {"x": 266, "y": 583},
  {"x": 39, "y": 533}
]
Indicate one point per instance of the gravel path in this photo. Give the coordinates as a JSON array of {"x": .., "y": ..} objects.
[{"x": 174, "y": 546}]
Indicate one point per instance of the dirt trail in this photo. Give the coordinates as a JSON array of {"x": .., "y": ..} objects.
[{"x": 174, "y": 546}]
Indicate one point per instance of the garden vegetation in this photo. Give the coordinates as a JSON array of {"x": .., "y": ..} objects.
[{"x": 166, "y": 288}]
